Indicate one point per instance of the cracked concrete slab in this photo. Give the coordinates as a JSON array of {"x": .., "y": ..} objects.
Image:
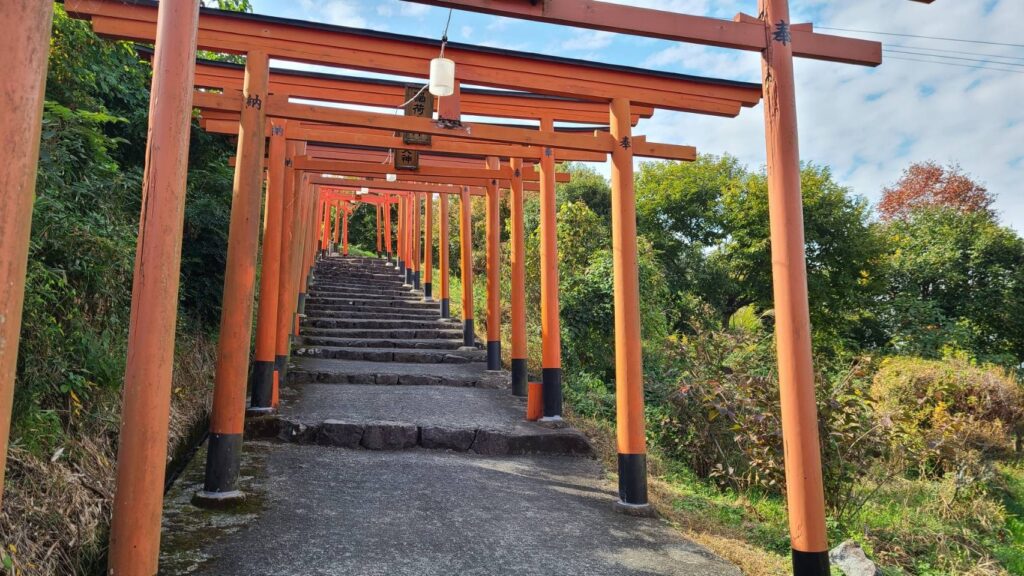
[{"x": 326, "y": 512}]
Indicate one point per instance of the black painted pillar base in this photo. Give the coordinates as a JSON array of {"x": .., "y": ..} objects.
[
  {"x": 220, "y": 488},
  {"x": 408, "y": 276},
  {"x": 519, "y": 377},
  {"x": 810, "y": 563},
  {"x": 379, "y": 254},
  {"x": 261, "y": 401},
  {"x": 633, "y": 486},
  {"x": 468, "y": 335},
  {"x": 389, "y": 257},
  {"x": 416, "y": 279},
  {"x": 633, "y": 478},
  {"x": 446, "y": 308},
  {"x": 401, "y": 266},
  {"x": 281, "y": 367},
  {"x": 301, "y": 309},
  {"x": 428, "y": 291},
  {"x": 551, "y": 384},
  {"x": 494, "y": 355}
]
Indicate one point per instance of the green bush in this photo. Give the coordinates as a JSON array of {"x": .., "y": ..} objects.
[
  {"x": 947, "y": 415},
  {"x": 723, "y": 418}
]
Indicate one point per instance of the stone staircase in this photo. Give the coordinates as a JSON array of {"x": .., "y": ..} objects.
[
  {"x": 395, "y": 452},
  {"x": 376, "y": 367}
]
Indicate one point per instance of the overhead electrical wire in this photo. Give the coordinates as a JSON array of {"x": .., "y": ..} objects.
[
  {"x": 965, "y": 40},
  {"x": 890, "y": 51},
  {"x": 956, "y": 64},
  {"x": 961, "y": 52}
]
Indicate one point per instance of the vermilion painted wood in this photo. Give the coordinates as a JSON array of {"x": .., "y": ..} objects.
[
  {"x": 466, "y": 252},
  {"x": 551, "y": 337},
  {"x": 226, "y": 122},
  {"x": 142, "y": 445},
  {"x": 517, "y": 290},
  {"x": 428, "y": 241},
  {"x": 227, "y": 416},
  {"x": 493, "y": 227},
  {"x": 629, "y": 374},
  {"x": 289, "y": 234},
  {"x": 368, "y": 92},
  {"x": 409, "y": 56},
  {"x": 674, "y": 26},
  {"x": 281, "y": 107},
  {"x": 22, "y": 84},
  {"x": 270, "y": 275},
  {"x": 804, "y": 491}
]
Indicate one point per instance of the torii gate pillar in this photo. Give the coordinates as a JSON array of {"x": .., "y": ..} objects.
[
  {"x": 142, "y": 449},
  {"x": 224, "y": 450},
  {"x": 804, "y": 492},
  {"x": 23, "y": 83}
]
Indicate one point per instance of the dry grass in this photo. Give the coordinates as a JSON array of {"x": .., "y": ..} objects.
[
  {"x": 56, "y": 510},
  {"x": 719, "y": 537}
]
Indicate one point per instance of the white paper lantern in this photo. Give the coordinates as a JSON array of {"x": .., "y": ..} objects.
[
  {"x": 442, "y": 77},
  {"x": 392, "y": 177}
]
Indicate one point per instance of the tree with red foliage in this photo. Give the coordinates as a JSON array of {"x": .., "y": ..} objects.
[{"x": 926, "y": 184}]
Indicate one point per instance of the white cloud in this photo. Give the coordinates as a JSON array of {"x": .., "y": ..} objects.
[
  {"x": 869, "y": 124},
  {"x": 467, "y": 31},
  {"x": 587, "y": 40},
  {"x": 344, "y": 13}
]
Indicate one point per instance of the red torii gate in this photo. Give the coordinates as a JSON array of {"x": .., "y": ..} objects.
[
  {"x": 774, "y": 35},
  {"x": 134, "y": 543}
]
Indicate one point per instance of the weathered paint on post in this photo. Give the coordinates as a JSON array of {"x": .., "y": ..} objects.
[
  {"x": 417, "y": 234},
  {"x": 224, "y": 447},
  {"x": 286, "y": 301},
  {"x": 444, "y": 247},
  {"x": 629, "y": 373},
  {"x": 264, "y": 363},
  {"x": 551, "y": 351},
  {"x": 387, "y": 225},
  {"x": 428, "y": 248},
  {"x": 25, "y": 45},
  {"x": 344, "y": 229},
  {"x": 493, "y": 228},
  {"x": 466, "y": 245},
  {"x": 142, "y": 446},
  {"x": 804, "y": 491},
  {"x": 518, "y": 285}
]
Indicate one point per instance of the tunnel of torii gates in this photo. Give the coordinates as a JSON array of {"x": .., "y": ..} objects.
[{"x": 321, "y": 157}]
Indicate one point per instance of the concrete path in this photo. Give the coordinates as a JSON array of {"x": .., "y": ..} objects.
[{"x": 380, "y": 466}]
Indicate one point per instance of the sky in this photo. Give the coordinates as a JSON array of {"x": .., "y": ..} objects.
[{"x": 867, "y": 124}]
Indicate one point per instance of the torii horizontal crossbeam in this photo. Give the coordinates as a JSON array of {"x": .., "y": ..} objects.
[
  {"x": 603, "y": 142},
  {"x": 238, "y": 33},
  {"x": 742, "y": 33}
]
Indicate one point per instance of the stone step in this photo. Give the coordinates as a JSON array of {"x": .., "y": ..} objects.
[
  {"x": 359, "y": 280},
  {"x": 351, "y": 272},
  {"x": 395, "y": 334},
  {"x": 484, "y": 421},
  {"x": 319, "y": 310},
  {"x": 362, "y": 313},
  {"x": 369, "y": 293},
  {"x": 327, "y": 371},
  {"x": 413, "y": 343},
  {"x": 378, "y": 324},
  {"x": 406, "y": 355},
  {"x": 376, "y": 303}
]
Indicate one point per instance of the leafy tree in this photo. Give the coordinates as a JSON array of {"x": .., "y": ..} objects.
[
  {"x": 954, "y": 282},
  {"x": 679, "y": 209},
  {"x": 588, "y": 187},
  {"x": 842, "y": 254},
  {"x": 927, "y": 184}
]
